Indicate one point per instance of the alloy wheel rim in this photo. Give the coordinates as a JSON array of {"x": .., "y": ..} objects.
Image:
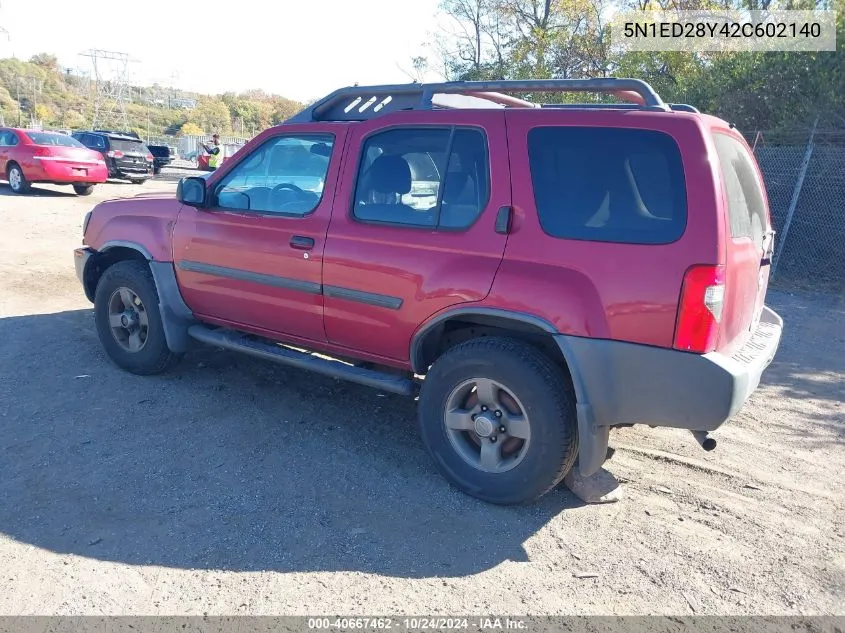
[
  {"x": 128, "y": 320},
  {"x": 487, "y": 425}
]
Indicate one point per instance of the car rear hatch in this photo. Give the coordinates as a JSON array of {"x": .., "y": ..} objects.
[
  {"x": 721, "y": 304},
  {"x": 129, "y": 155},
  {"x": 74, "y": 157},
  {"x": 749, "y": 240},
  {"x": 60, "y": 149}
]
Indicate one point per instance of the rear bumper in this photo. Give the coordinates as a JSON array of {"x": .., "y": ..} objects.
[
  {"x": 67, "y": 173},
  {"x": 621, "y": 383},
  {"x": 626, "y": 383},
  {"x": 130, "y": 170}
]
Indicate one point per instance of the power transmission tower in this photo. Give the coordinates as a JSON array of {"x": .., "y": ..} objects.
[{"x": 111, "y": 80}]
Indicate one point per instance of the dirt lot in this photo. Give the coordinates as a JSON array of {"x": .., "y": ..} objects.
[{"x": 234, "y": 486}]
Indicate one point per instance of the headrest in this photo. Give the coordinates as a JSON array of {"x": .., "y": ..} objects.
[
  {"x": 455, "y": 182},
  {"x": 390, "y": 174}
]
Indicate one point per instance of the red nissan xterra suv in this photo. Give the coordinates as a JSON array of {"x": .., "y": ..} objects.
[{"x": 538, "y": 274}]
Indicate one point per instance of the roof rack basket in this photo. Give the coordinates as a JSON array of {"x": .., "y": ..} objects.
[{"x": 360, "y": 103}]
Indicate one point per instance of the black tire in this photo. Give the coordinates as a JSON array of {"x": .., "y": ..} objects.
[
  {"x": 156, "y": 170},
  {"x": 154, "y": 357},
  {"x": 20, "y": 184},
  {"x": 83, "y": 190},
  {"x": 545, "y": 391},
  {"x": 138, "y": 181}
]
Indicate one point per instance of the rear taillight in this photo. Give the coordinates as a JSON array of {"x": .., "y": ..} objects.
[
  {"x": 115, "y": 153},
  {"x": 40, "y": 152},
  {"x": 700, "y": 310},
  {"x": 150, "y": 157}
]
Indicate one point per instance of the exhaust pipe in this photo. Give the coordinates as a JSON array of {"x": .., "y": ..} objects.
[{"x": 705, "y": 441}]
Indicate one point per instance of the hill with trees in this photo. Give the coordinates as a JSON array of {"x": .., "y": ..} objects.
[{"x": 38, "y": 90}]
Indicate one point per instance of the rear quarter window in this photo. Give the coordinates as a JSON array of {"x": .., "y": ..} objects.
[
  {"x": 747, "y": 213},
  {"x": 608, "y": 184}
]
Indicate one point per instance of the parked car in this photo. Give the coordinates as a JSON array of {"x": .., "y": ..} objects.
[
  {"x": 161, "y": 157},
  {"x": 29, "y": 156},
  {"x": 538, "y": 276},
  {"x": 125, "y": 154}
]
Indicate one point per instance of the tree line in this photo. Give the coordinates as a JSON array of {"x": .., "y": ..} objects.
[{"x": 571, "y": 39}]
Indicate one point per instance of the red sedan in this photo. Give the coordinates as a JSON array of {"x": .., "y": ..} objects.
[{"x": 28, "y": 156}]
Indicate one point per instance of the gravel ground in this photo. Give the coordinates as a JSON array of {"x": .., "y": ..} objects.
[{"x": 235, "y": 486}]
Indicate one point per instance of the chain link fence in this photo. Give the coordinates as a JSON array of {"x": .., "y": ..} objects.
[{"x": 804, "y": 172}]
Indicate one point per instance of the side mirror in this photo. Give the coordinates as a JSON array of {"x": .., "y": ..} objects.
[{"x": 191, "y": 191}]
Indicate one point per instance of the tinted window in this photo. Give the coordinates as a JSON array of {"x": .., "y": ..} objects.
[
  {"x": 53, "y": 139},
  {"x": 5, "y": 138},
  {"x": 423, "y": 177},
  {"x": 285, "y": 175},
  {"x": 746, "y": 205},
  {"x": 128, "y": 146},
  {"x": 92, "y": 140},
  {"x": 608, "y": 184}
]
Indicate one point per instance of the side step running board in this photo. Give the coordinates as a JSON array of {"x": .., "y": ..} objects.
[{"x": 238, "y": 342}]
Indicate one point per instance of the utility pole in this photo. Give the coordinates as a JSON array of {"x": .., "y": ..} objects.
[{"x": 111, "y": 78}]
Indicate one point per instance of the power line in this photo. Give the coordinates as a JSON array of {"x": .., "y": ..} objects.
[{"x": 111, "y": 80}]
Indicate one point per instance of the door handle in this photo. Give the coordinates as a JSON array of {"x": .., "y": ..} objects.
[{"x": 302, "y": 243}]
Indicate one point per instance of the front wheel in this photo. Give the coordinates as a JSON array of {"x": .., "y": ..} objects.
[
  {"x": 17, "y": 181},
  {"x": 498, "y": 418},
  {"x": 83, "y": 190},
  {"x": 128, "y": 321}
]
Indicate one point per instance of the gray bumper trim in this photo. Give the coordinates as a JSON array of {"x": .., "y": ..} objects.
[{"x": 626, "y": 383}]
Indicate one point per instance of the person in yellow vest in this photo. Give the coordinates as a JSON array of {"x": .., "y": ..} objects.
[{"x": 215, "y": 152}]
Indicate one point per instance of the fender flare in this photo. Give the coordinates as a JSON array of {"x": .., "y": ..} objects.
[
  {"x": 132, "y": 245},
  {"x": 176, "y": 316},
  {"x": 592, "y": 439}
]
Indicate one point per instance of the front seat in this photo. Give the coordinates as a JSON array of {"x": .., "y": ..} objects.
[{"x": 388, "y": 179}]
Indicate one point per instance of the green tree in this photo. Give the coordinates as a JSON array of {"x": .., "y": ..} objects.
[{"x": 191, "y": 129}]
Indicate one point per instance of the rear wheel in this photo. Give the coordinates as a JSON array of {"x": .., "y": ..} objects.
[
  {"x": 498, "y": 418},
  {"x": 83, "y": 190},
  {"x": 128, "y": 320},
  {"x": 17, "y": 181}
]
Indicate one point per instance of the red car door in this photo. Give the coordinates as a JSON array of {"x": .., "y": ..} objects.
[
  {"x": 6, "y": 140},
  {"x": 253, "y": 258},
  {"x": 413, "y": 229}
]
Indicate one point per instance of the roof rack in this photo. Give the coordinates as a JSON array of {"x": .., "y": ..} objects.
[
  {"x": 129, "y": 134},
  {"x": 360, "y": 103},
  {"x": 676, "y": 107}
]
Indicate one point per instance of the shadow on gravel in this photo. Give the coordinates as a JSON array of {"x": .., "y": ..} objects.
[
  {"x": 37, "y": 192},
  {"x": 810, "y": 362},
  {"x": 228, "y": 463}
]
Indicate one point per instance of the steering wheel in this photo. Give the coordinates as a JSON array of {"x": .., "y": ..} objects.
[{"x": 287, "y": 185}]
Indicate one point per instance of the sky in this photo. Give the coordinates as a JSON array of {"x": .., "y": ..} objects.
[{"x": 301, "y": 49}]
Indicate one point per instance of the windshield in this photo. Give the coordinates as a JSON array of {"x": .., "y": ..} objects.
[{"x": 51, "y": 138}]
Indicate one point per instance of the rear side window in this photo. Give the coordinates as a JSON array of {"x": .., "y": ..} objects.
[
  {"x": 608, "y": 184},
  {"x": 746, "y": 203}
]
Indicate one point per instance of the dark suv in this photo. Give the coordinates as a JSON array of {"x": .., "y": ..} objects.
[
  {"x": 537, "y": 275},
  {"x": 126, "y": 155}
]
